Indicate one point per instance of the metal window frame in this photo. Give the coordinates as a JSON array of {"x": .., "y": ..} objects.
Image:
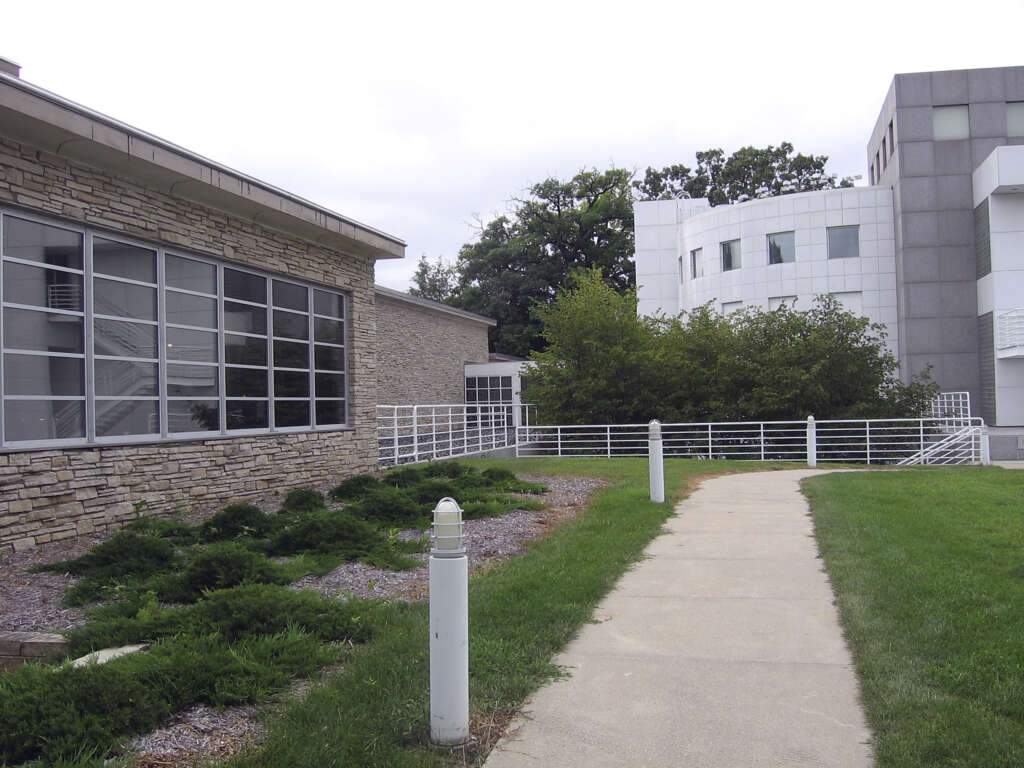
[
  {"x": 162, "y": 362},
  {"x": 828, "y": 243},
  {"x": 768, "y": 242}
]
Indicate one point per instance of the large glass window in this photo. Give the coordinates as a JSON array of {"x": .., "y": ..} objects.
[
  {"x": 106, "y": 341},
  {"x": 843, "y": 242},
  {"x": 781, "y": 248},
  {"x": 697, "y": 263},
  {"x": 730, "y": 255},
  {"x": 951, "y": 123},
  {"x": 1015, "y": 118},
  {"x": 43, "y": 340}
]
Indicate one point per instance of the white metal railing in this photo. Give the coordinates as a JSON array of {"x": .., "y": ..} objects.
[
  {"x": 950, "y": 405},
  {"x": 1010, "y": 330},
  {"x": 64, "y": 296},
  {"x": 870, "y": 441},
  {"x": 412, "y": 433},
  {"x": 964, "y": 446}
]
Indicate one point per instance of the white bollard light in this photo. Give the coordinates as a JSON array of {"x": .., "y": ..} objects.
[
  {"x": 812, "y": 442},
  {"x": 449, "y": 627},
  {"x": 656, "y": 461}
]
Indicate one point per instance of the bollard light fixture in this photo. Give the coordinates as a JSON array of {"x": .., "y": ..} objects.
[{"x": 446, "y": 537}]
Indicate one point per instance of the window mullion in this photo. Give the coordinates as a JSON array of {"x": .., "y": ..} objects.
[
  {"x": 221, "y": 353},
  {"x": 89, "y": 372},
  {"x": 161, "y": 341},
  {"x": 310, "y": 359},
  {"x": 271, "y": 415}
]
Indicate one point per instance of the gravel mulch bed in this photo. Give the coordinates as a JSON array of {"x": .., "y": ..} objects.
[
  {"x": 198, "y": 734},
  {"x": 488, "y": 541}
]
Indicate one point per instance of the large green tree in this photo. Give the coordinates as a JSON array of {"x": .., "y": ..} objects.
[
  {"x": 605, "y": 365},
  {"x": 748, "y": 173},
  {"x": 522, "y": 259}
]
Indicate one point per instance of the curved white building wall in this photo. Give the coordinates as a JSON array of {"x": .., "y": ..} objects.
[{"x": 668, "y": 231}]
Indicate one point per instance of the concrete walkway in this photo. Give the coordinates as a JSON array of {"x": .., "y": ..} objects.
[{"x": 722, "y": 650}]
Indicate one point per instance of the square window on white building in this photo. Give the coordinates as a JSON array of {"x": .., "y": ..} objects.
[
  {"x": 697, "y": 263},
  {"x": 728, "y": 307},
  {"x": 781, "y": 248},
  {"x": 852, "y": 301},
  {"x": 1015, "y": 118},
  {"x": 777, "y": 302},
  {"x": 844, "y": 242},
  {"x": 950, "y": 123},
  {"x": 730, "y": 255}
]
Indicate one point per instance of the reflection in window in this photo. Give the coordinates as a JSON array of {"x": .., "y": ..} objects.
[
  {"x": 730, "y": 255},
  {"x": 843, "y": 242},
  {"x": 781, "y": 248}
]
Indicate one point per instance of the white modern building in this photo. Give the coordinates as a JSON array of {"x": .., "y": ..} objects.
[{"x": 933, "y": 249}]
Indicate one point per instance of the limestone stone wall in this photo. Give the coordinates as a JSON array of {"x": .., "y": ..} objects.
[
  {"x": 421, "y": 352},
  {"x": 53, "y": 494}
]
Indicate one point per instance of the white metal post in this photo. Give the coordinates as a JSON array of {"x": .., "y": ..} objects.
[
  {"x": 608, "y": 437},
  {"x": 656, "y": 461},
  {"x": 709, "y": 441},
  {"x": 986, "y": 455},
  {"x": 812, "y": 443},
  {"x": 762, "y": 441},
  {"x": 449, "y": 628},
  {"x": 559, "y": 433},
  {"x": 396, "y": 434},
  {"x": 867, "y": 427},
  {"x": 415, "y": 433}
]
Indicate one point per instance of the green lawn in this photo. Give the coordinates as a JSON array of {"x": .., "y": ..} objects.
[
  {"x": 375, "y": 711},
  {"x": 928, "y": 566}
]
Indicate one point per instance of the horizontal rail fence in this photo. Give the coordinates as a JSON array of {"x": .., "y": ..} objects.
[
  {"x": 872, "y": 441},
  {"x": 413, "y": 433}
]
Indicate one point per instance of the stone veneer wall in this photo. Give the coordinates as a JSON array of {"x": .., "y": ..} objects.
[
  {"x": 421, "y": 351},
  {"x": 54, "y": 494}
]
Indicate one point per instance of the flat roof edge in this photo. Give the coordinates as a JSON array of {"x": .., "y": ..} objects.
[
  {"x": 437, "y": 306},
  {"x": 289, "y": 204}
]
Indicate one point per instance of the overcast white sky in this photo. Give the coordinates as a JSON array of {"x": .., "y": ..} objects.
[{"x": 417, "y": 117}]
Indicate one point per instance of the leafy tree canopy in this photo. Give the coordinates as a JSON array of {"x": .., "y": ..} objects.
[
  {"x": 748, "y": 173},
  {"x": 522, "y": 259},
  {"x": 605, "y": 365}
]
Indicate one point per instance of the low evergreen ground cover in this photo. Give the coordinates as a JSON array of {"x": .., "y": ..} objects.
[{"x": 211, "y": 601}]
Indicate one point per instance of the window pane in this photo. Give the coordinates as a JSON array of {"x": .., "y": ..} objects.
[
  {"x": 290, "y": 325},
  {"x": 329, "y": 358},
  {"x": 730, "y": 255},
  {"x": 43, "y": 419},
  {"x": 244, "y": 319},
  {"x": 192, "y": 381},
  {"x": 193, "y": 416},
  {"x": 950, "y": 123},
  {"x": 289, "y": 354},
  {"x": 242, "y": 285},
  {"x": 291, "y": 414},
  {"x": 127, "y": 417},
  {"x": 42, "y": 287},
  {"x": 186, "y": 309},
  {"x": 244, "y": 350},
  {"x": 330, "y": 412},
  {"x": 291, "y": 296},
  {"x": 245, "y": 382},
  {"x": 470, "y": 395},
  {"x": 291, "y": 384},
  {"x": 247, "y": 414},
  {"x": 38, "y": 242},
  {"x": 781, "y": 248},
  {"x": 330, "y": 385},
  {"x": 190, "y": 274},
  {"x": 43, "y": 376},
  {"x": 1014, "y": 118},
  {"x": 123, "y": 299},
  {"x": 194, "y": 346},
  {"x": 28, "y": 329},
  {"x": 125, "y": 378},
  {"x": 118, "y": 339},
  {"x": 330, "y": 331},
  {"x": 325, "y": 303},
  {"x": 696, "y": 263},
  {"x": 121, "y": 260},
  {"x": 843, "y": 242}
]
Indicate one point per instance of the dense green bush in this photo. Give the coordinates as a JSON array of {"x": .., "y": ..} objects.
[
  {"x": 433, "y": 489},
  {"x": 173, "y": 530},
  {"x": 605, "y": 365},
  {"x": 232, "y": 614},
  {"x": 303, "y": 500},
  {"x": 218, "y": 566},
  {"x": 62, "y": 713},
  {"x": 354, "y": 487},
  {"x": 390, "y": 506},
  {"x": 327, "y": 531},
  {"x": 237, "y": 520},
  {"x": 124, "y": 554}
]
